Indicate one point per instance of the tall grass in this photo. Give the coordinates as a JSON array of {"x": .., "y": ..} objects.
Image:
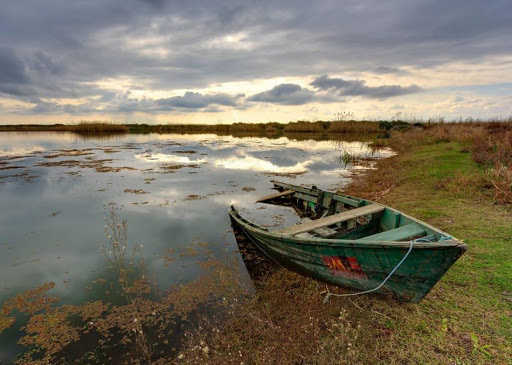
[
  {"x": 247, "y": 128},
  {"x": 490, "y": 144},
  {"x": 352, "y": 126},
  {"x": 271, "y": 128},
  {"x": 179, "y": 128},
  {"x": 98, "y": 128},
  {"x": 304, "y": 127},
  {"x": 82, "y": 127},
  {"x": 435, "y": 129}
]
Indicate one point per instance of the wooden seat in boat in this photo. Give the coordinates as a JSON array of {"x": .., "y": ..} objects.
[
  {"x": 331, "y": 219},
  {"x": 322, "y": 232},
  {"x": 403, "y": 233}
]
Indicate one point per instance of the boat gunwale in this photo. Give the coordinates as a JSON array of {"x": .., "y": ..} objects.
[
  {"x": 452, "y": 242},
  {"x": 362, "y": 240}
]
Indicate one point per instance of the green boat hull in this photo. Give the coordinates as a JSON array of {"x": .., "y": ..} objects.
[{"x": 358, "y": 264}]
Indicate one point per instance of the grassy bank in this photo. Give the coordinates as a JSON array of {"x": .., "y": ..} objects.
[
  {"x": 93, "y": 127},
  {"x": 446, "y": 176},
  {"x": 270, "y": 129}
]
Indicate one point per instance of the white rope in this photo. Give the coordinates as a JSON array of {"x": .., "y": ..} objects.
[{"x": 329, "y": 294}]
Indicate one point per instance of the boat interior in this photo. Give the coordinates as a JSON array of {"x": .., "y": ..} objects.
[{"x": 326, "y": 214}]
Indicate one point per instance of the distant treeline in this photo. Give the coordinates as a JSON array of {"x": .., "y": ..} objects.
[
  {"x": 271, "y": 129},
  {"x": 82, "y": 127},
  {"x": 263, "y": 129}
]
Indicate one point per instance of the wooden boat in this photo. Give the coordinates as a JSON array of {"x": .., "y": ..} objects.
[{"x": 353, "y": 242}]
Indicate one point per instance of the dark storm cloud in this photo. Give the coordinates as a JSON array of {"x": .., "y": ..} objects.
[
  {"x": 359, "y": 88},
  {"x": 13, "y": 75},
  {"x": 123, "y": 103},
  {"x": 34, "y": 77},
  {"x": 156, "y": 3},
  {"x": 383, "y": 70},
  {"x": 329, "y": 90},
  {"x": 42, "y": 63},
  {"x": 191, "y": 100},
  {"x": 12, "y": 69},
  {"x": 60, "y": 48},
  {"x": 286, "y": 94}
]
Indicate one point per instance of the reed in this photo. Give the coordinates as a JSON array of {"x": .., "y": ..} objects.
[
  {"x": 435, "y": 129},
  {"x": 98, "y": 128},
  {"x": 490, "y": 145},
  {"x": 82, "y": 127},
  {"x": 352, "y": 126},
  {"x": 247, "y": 127},
  {"x": 304, "y": 127}
]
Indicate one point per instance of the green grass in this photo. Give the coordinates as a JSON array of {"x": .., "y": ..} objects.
[{"x": 475, "y": 293}]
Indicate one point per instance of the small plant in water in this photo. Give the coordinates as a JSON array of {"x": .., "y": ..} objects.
[{"x": 345, "y": 158}]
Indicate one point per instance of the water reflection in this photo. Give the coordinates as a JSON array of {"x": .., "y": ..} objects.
[{"x": 174, "y": 190}]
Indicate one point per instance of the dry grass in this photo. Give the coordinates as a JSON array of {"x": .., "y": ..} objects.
[
  {"x": 285, "y": 324},
  {"x": 83, "y": 127},
  {"x": 220, "y": 129},
  {"x": 250, "y": 129},
  {"x": 247, "y": 128},
  {"x": 490, "y": 144},
  {"x": 304, "y": 127},
  {"x": 352, "y": 126},
  {"x": 98, "y": 128}
]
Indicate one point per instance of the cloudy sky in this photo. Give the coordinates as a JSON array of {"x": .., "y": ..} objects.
[{"x": 158, "y": 61}]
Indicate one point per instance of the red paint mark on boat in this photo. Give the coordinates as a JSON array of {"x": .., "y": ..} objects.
[{"x": 344, "y": 266}]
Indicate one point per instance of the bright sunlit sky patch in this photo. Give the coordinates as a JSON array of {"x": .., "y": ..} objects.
[{"x": 158, "y": 61}]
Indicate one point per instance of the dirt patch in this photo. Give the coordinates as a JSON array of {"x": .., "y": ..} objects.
[
  {"x": 110, "y": 150},
  {"x": 194, "y": 197},
  {"x": 135, "y": 191},
  {"x": 170, "y": 168},
  {"x": 69, "y": 153},
  {"x": 24, "y": 175},
  {"x": 186, "y": 151},
  {"x": 189, "y": 252},
  {"x": 63, "y": 163},
  {"x": 201, "y": 197},
  {"x": 11, "y": 167},
  {"x": 248, "y": 188},
  {"x": 113, "y": 169},
  {"x": 89, "y": 163},
  {"x": 11, "y": 158}
]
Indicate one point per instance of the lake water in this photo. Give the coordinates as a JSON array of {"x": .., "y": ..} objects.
[{"x": 174, "y": 190}]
